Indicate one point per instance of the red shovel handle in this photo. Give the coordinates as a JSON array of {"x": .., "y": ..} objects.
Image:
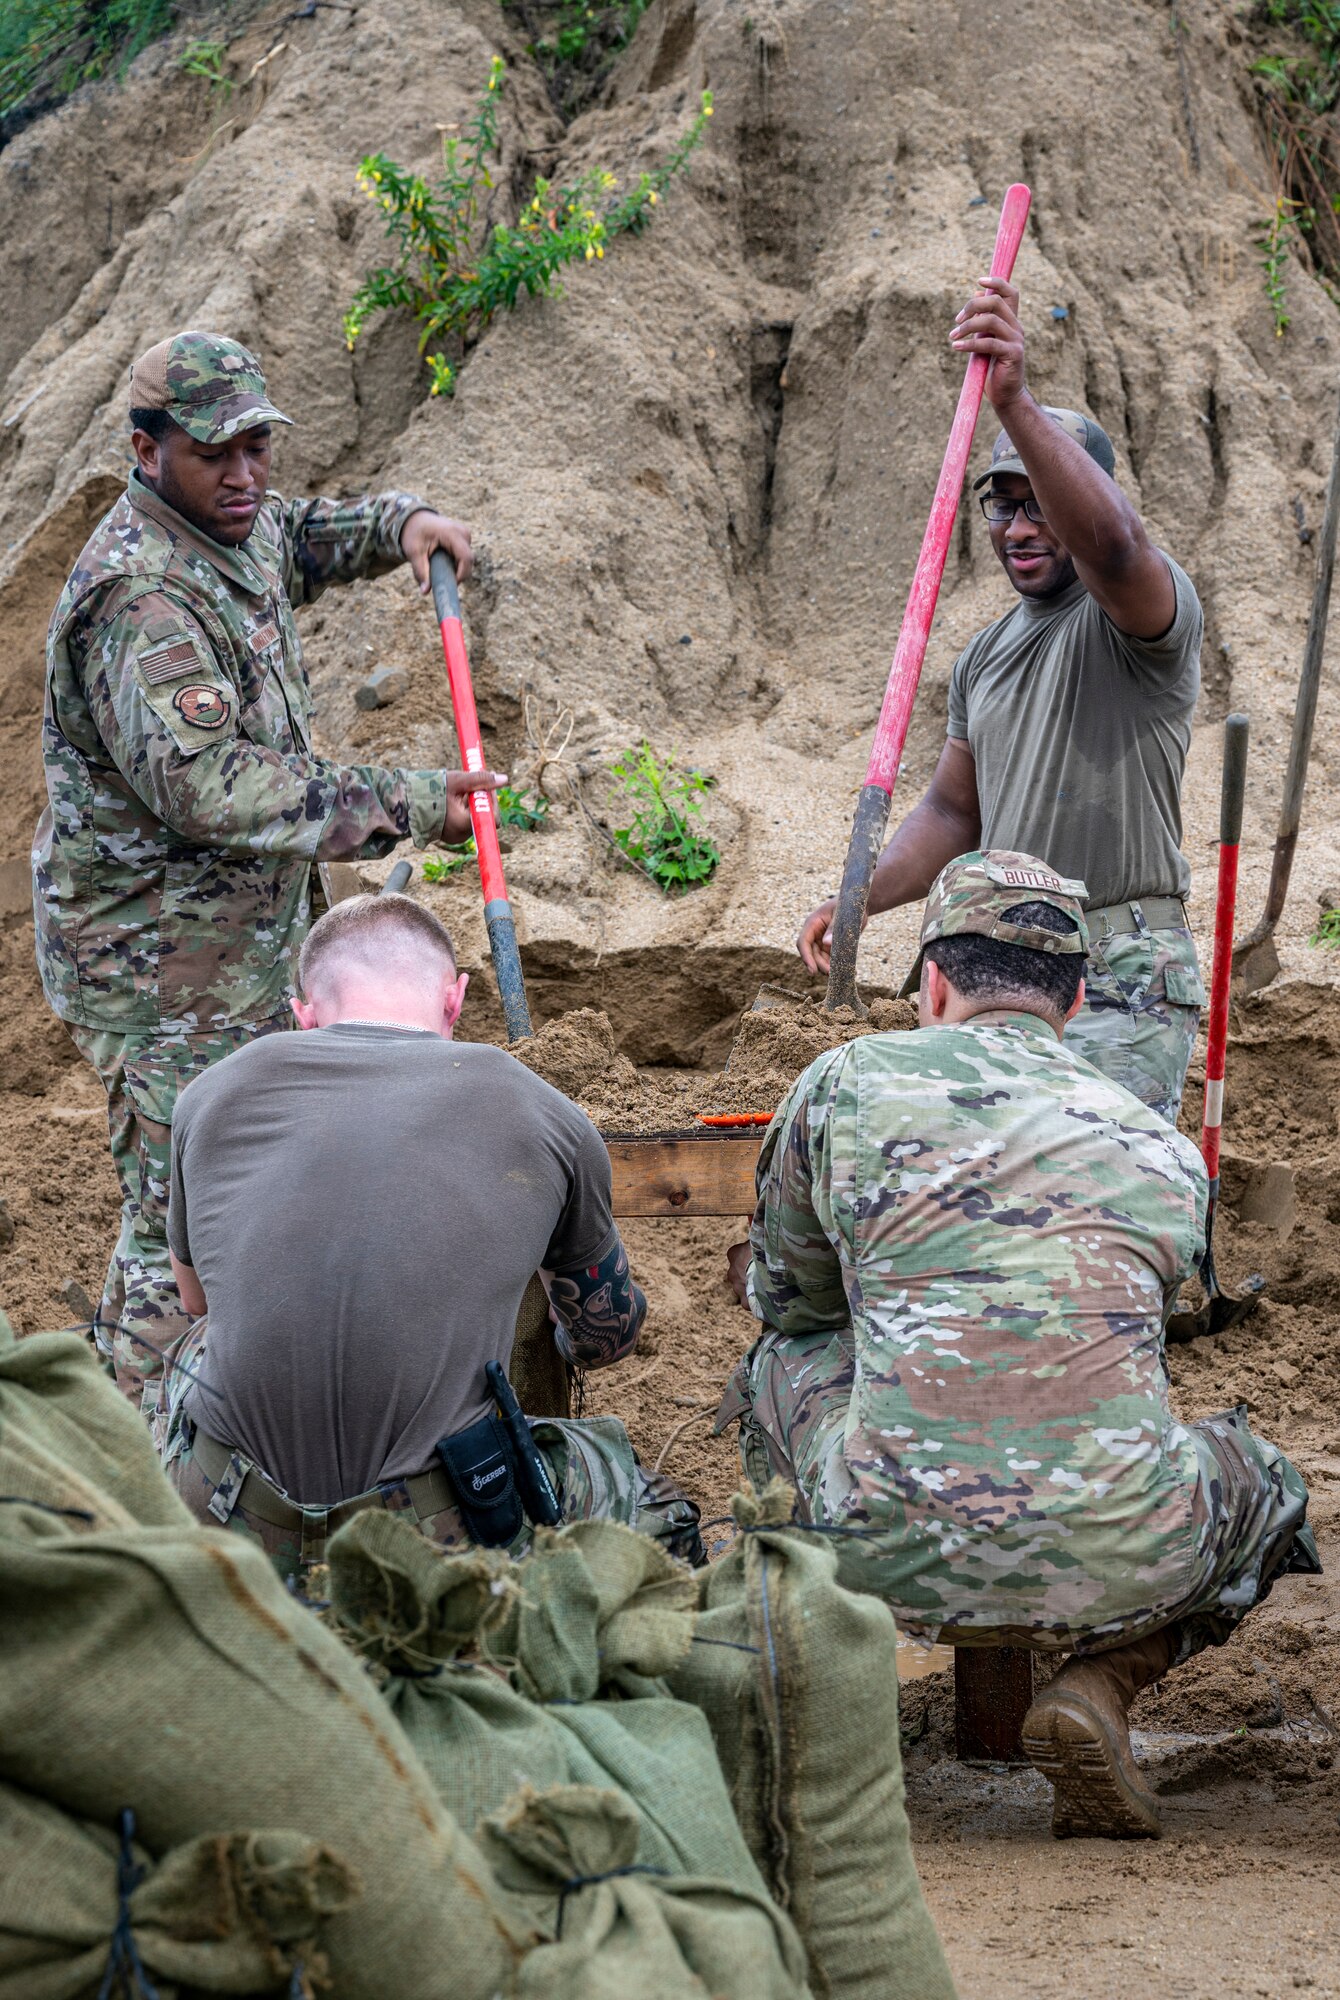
[
  {"x": 483, "y": 816},
  {"x": 447, "y": 603},
  {"x": 1230, "y": 834},
  {"x": 872, "y": 808},
  {"x": 910, "y": 652}
]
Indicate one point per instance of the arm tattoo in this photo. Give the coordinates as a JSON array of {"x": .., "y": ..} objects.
[{"x": 600, "y": 1310}]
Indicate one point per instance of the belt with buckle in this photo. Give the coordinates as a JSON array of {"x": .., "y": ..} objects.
[
  {"x": 1142, "y": 913},
  {"x": 428, "y": 1493}
]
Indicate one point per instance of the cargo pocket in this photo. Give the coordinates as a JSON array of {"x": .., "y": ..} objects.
[{"x": 1183, "y": 986}]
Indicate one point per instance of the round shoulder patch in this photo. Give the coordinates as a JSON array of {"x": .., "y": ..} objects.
[{"x": 202, "y": 706}]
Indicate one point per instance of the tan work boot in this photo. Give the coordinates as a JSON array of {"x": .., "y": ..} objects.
[{"x": 1077, "y": 1734}]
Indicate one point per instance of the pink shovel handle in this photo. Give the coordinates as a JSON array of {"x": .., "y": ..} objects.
[{"x": 905, "y": 672}]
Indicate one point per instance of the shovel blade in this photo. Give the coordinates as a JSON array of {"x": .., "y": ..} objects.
[
  {"x": 1186, "y": 1326},
  {"x": 1226, "y": 1312},
  {"x": 1255, "y": 962},
  {"x": 1219, "y": 1312}
]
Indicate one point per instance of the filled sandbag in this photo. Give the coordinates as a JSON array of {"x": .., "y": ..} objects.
[
  {"x": 70, "y": 1442},
  {"x": 544, "y": 1672},
  {"x": 167, "y": 1670},
  {"x": 240, "y": 1913},
  {"x": 798, "y": 1680},
  {"x": 622, "y": 1931}
]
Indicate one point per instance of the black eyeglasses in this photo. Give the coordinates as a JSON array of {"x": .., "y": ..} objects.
[{"x": 999, "y": 507}]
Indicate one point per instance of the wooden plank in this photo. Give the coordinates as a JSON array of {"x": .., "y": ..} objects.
[
  {"x": 682, "y": 1174},
  {"x": 993, "y": 1690}
]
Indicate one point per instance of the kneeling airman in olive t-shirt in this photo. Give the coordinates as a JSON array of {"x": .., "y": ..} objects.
[{"x": 355, "y": 1213}]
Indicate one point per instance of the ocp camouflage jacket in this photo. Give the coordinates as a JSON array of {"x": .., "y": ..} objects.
[
  {"x": 185, "y": 802},
  {"x": 985, "y": 1235}
]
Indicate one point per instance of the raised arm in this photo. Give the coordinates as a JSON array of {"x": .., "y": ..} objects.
[
  {"x": 945, "y": 822},
  {"x": 1085, "y": 509}
]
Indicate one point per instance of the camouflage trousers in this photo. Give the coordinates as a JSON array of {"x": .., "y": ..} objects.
[
  {"x": 597, "y": 1475},
  {"x": 141, "y": 1315},
  {"x": 791, "y": 1394},
  {"x": 1142, "y": 1001}
]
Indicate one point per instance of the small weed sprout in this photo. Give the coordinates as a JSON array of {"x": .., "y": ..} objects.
[
  {"x": 1277, "y": 237},
  {"x": 441, "y": 867},
  {"x": 1328, "y": 930},
  {"x": 663, "y": 839},
  {"x": 524, "y": 809},
  {"x": 454, "y": 279},
  {"x": 206, "y": 60}
]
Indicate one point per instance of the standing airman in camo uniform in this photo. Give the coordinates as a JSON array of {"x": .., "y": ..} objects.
[
  {"x": 186, "y": 804},
  {"x": 966, "y": 1243},
  {"x": 1069, "y": 722}
]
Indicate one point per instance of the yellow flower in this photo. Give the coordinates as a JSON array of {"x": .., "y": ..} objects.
[
  {"x": 653, "y": 198},
  {"x": 590, "y": 253},
  {"x": 600, "y": 249}
]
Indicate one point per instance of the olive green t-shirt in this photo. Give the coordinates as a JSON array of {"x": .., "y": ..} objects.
[
  {"x": 1080, "y": 735},
  {"x": 364, "y": 1207}
]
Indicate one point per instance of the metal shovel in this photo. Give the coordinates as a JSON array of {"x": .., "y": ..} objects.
[
  {"x": 1220, "y": 1311},
  {"x": 1255, "y": 959}
]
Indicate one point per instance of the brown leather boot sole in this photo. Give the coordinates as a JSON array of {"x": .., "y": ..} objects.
[{"x": 1066, "y": 1738}]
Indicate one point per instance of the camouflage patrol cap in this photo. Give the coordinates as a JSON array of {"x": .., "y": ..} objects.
[
  {"x": 1092, "y": 436},
  {"x": 212, "y": 387},
  {"x": 972, "y": 894}
]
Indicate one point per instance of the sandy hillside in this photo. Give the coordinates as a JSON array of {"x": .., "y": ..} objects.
[{"x": 697, "y": 483}]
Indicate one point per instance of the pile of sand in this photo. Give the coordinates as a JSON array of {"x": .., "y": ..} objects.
[{"x": 577, "y": 1053}]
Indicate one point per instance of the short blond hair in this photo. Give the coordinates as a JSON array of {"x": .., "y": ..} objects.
[{"x": 382, "y": 936}]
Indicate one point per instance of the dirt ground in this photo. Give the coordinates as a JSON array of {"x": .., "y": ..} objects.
[{"x": 697, "y": 483}]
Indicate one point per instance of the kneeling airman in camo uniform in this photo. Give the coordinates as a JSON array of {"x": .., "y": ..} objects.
[{"x": 966, "y": 1244}]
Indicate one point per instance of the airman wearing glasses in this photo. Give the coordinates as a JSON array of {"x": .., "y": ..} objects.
[{"x": 1069, "y": 722}]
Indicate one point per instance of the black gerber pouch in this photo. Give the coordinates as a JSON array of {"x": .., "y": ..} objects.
[{"x": 481, "y": 1467}]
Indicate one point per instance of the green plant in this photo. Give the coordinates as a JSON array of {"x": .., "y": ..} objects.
[
  {"x": 206, "y": 59},
  {"x": 441, "y": 867},
  {"x": 663, "y": 839},
  {"x": 1276, "y": 238},
  {"x": 49, "y": 47},
  {"x": 1297, "y": 95},
  {"x": 526, "y": 810},
  {"x": 1328, "y": 930},
  {"x": 453, "y": 271},
  {"x": 576, "y": 43}
]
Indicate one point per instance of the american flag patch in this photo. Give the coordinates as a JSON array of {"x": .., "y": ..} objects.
[{"x": 169, "y": 662}]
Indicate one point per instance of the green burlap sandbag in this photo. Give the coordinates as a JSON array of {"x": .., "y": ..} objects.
[
  {"x": 561, "y": 1684},
  {"x": 798, "y": 1680},
  {"x": 229, "y": 1913},
  {"x": 166, "y": 1670},
  {"x": 626, "y": 1934},
  {"x": 68, "y": 1440}
]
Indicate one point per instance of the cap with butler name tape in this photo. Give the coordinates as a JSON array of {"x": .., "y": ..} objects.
[{"x": 972, "y": 894}]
